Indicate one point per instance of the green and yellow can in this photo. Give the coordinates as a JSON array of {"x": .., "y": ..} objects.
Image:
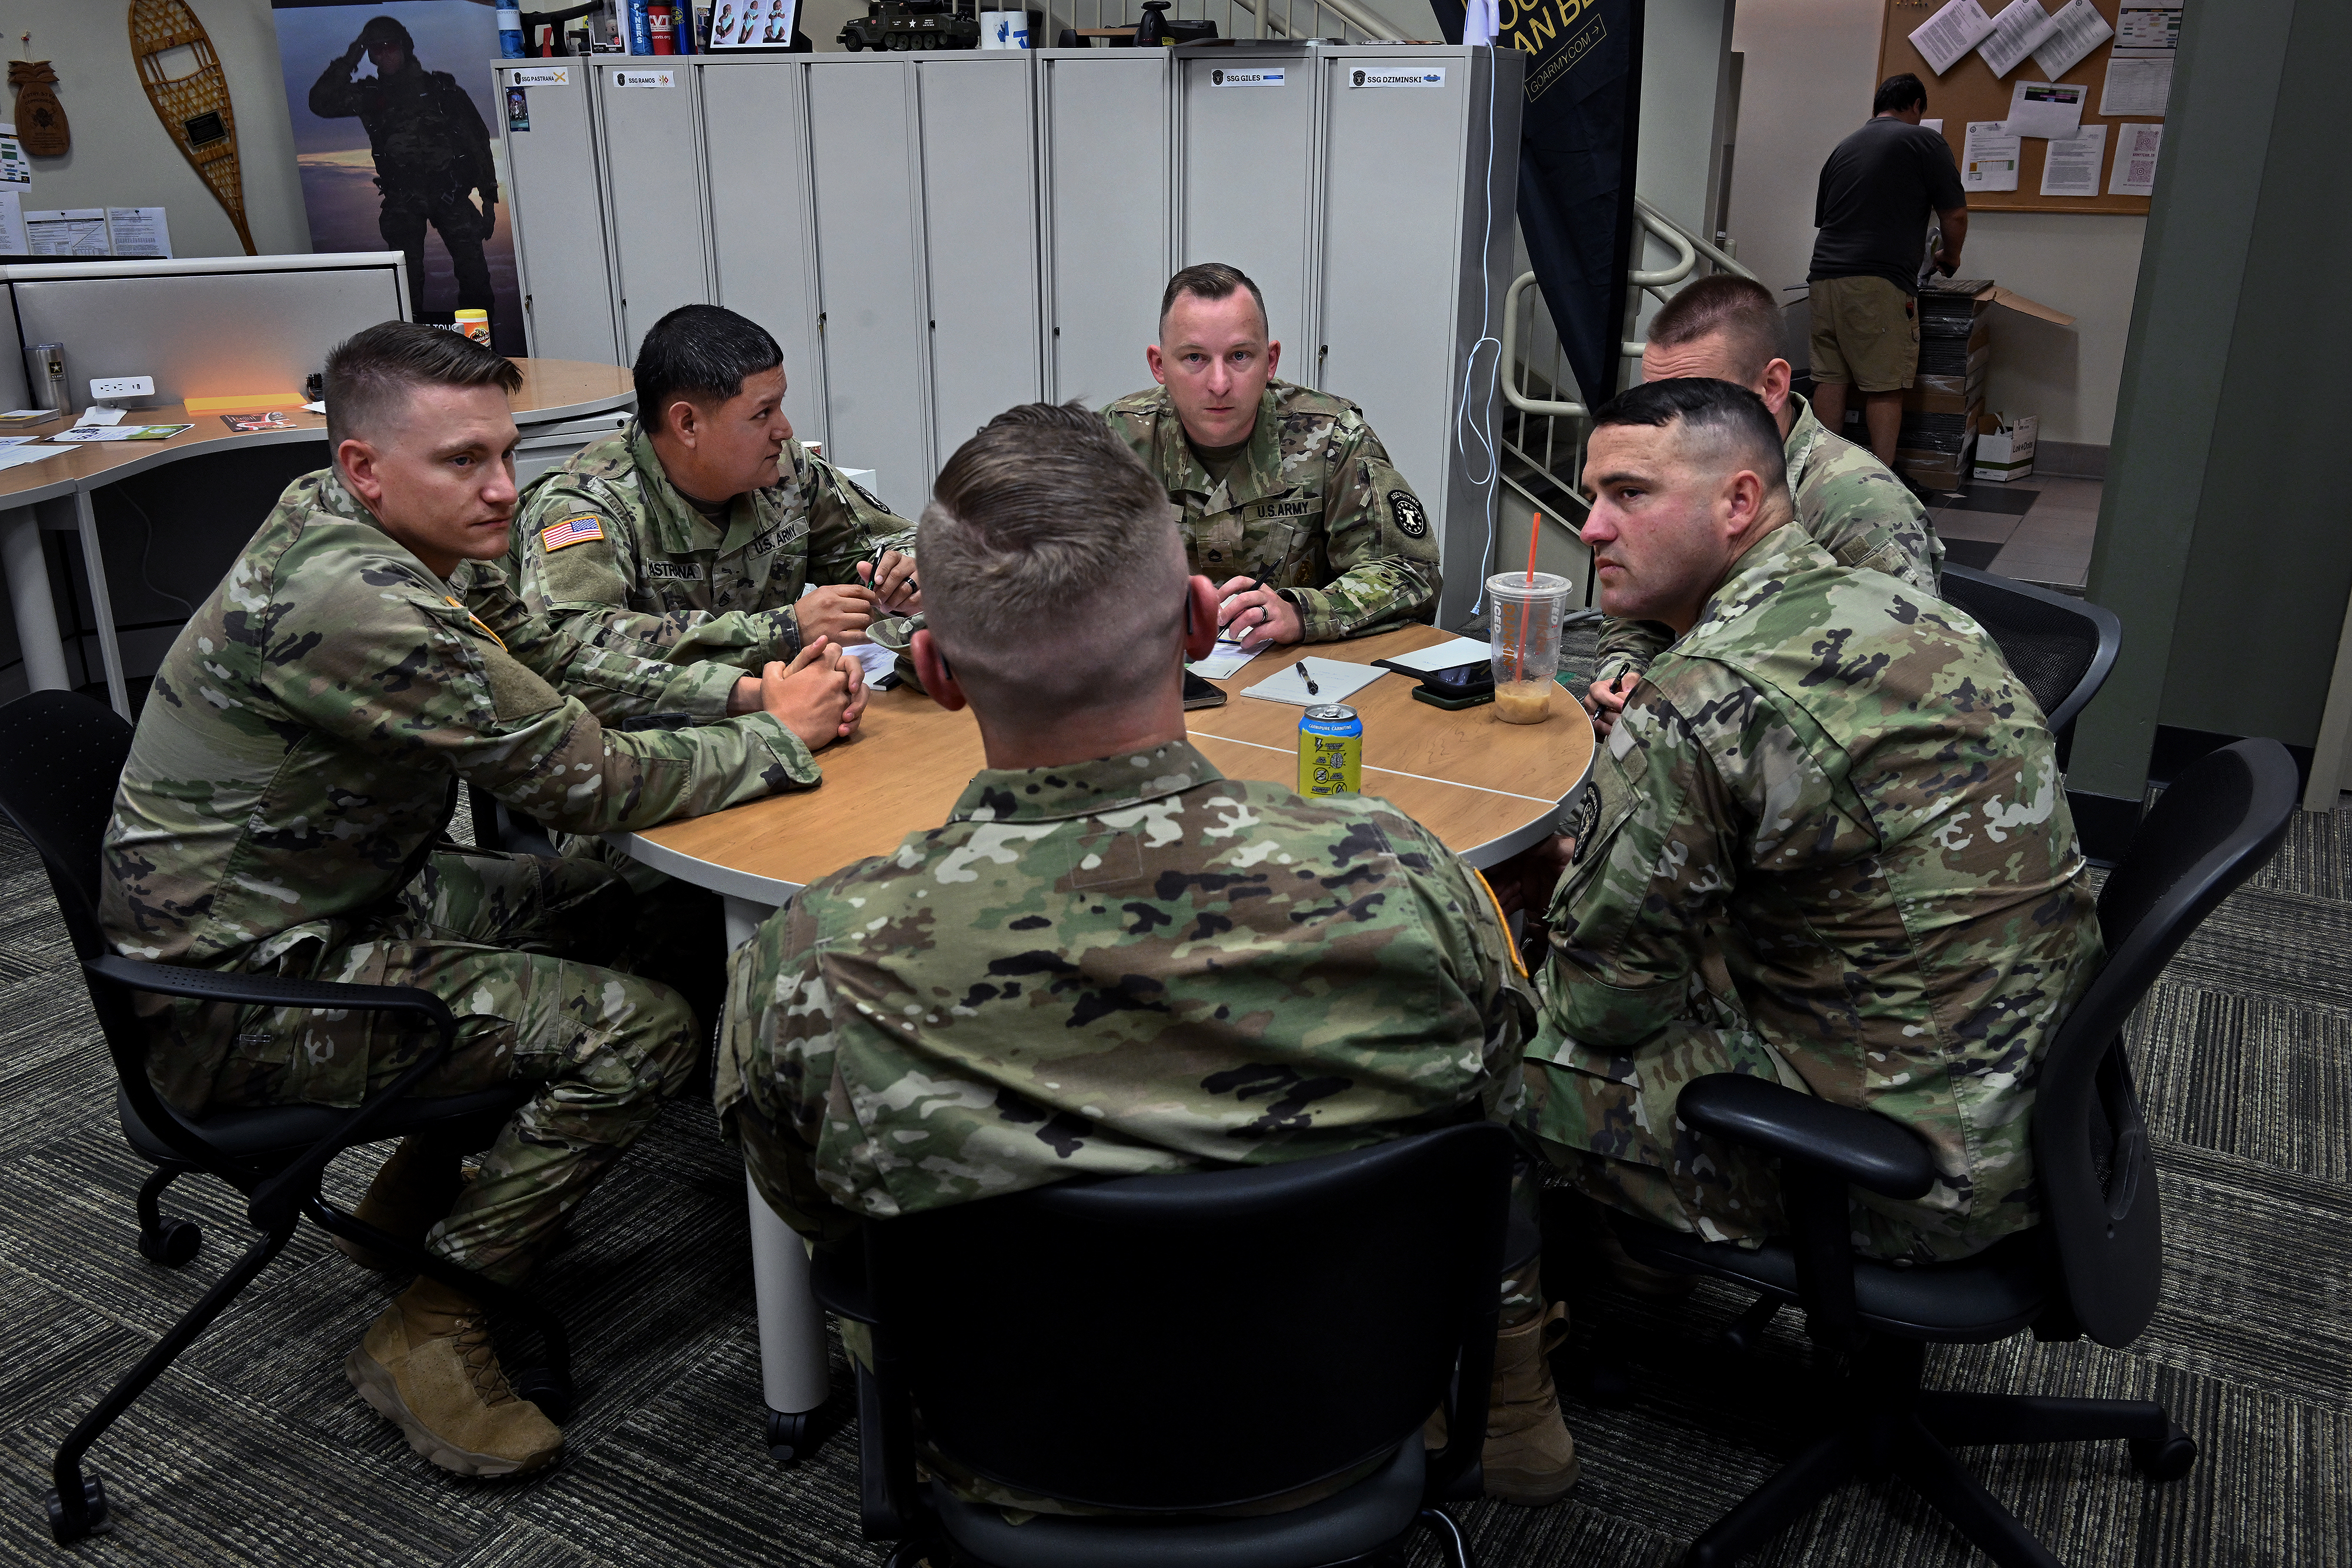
[{"x": 1330, "y": 751}]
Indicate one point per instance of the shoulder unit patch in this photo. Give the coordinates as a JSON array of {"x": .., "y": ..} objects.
[{"x": 1410, "y": 519}]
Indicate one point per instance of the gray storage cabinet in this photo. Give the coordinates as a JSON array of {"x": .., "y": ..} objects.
[
  {"x": 555, "y": 202},
  {"x": 935, "y": 238}
]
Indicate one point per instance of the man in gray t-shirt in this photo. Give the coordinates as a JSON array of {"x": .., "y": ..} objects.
[{"x": 1876, "y": 190}]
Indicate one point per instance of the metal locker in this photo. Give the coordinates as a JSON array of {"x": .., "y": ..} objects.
[
  {"x": 867, "y": 213},
  {"x": 1107, "y": 173},
  {"x": 555, "y": 202},
  {"x": 979, "y": 224},
  {"x": 1250, "y": 129},
  {"x": 762, "y": 239},
  {"x": 1417, "y": 211},
  {"x": 653, "y": 164}
]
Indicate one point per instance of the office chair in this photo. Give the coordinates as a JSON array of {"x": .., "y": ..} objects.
[
  {"x": 2060, "y": 646},
  {"x": 60, "y": 760},
  {"x": 2093, "y": 1266},
  {"x": 1178, "y": 1344}
]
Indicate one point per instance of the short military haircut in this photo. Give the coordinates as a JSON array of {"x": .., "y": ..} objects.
[
  {"x": 701, "y": 352},
  {"x": 1898, "y": 93},
  {"x": 1052, "y": 569},
  {"x": 1211, "y": 280},
  {"x": 372, "y": 374},
  {"x": 1740, "y": 308},
  {"x": 1723, "y": 424}
]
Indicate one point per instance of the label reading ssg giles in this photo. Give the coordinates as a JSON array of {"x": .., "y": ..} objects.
[
  {"x": 645, "y": 78},
  {"x": 1397, "y": 76},
  {"x": 1251, "y": 76}
]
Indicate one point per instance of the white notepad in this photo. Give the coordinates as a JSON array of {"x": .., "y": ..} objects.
[
  {"x": 1335, "y": 682},
  {"x": 1450, "y": 654}
]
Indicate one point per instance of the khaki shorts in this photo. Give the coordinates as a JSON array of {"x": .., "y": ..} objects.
[{"x": 1866, "y": 332}]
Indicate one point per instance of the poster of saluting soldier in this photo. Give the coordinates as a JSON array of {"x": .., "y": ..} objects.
[{"x": 393, "y": 104}]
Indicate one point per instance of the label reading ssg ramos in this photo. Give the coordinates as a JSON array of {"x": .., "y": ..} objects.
[
  {"x": 1229, "y": 75},
  {"x": 1397, "y": 76},
  {"x": 645, "y": 78}
]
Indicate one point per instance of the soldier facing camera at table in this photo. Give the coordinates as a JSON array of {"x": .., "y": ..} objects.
[
  {"x": 1112, "y": 959},
  {"x": 1289, "y": 503},
  {"x": 286, "y": 789}
]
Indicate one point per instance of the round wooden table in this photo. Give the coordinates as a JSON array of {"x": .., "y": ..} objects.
[{"x": 1485, "y": 788}]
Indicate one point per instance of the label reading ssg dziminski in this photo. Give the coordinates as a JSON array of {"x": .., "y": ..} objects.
[
  {"x": 1252, "y": 76},
  {"x": 1397, "y": 76}
]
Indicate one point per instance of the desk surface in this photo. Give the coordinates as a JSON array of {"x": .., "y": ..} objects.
[
  {"x": 553, "y": 389},
  {"x": 1485, "y": 788}
]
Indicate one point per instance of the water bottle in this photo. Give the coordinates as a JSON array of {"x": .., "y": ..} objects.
[{"x": 509, "y": 30}]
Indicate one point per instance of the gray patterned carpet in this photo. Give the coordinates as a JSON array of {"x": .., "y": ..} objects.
[{"x": 254, "y": 1450}]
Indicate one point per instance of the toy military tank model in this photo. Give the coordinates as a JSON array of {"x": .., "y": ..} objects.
[{"x": 912, "y": 24}]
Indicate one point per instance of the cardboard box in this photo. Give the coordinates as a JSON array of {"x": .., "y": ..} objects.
[{"x": 2005, "y": 454}]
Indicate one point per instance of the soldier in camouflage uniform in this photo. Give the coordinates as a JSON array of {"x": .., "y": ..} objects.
[
  {"x": 1290, "y": 502},
  {"x": 1827, "y": 844},
  {"x": 1112, "y": 960},
  {"x": 286, "y": 789},
  {"x": 693, "y": 534},
  {"x": 1852, "y": 506},
  {"x": 432, "y": 153}
]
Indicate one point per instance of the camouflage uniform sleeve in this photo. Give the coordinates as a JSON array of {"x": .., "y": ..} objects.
[
  {"x": 1867, "y": 518},
  {"x": 1476, "y": 945},
  {"x": 777, "y": 1088},
  {"x": 846, "y": 525},
  {"x": 584, "y": 588},
  {"x": 1627, "y": 647},
  {"x": 614, "y": 684},
  {"x": 335, "y": 96},
  {"x": 1379, "y": 541},
  {"x": 386, "y": 666}
]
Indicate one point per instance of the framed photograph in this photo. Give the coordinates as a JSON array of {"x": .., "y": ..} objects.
[{"x": 753, "y": 25}]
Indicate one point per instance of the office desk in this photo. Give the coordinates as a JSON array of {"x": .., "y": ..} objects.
[
  {"x": 1487, "y": 788},
  {"x": 553, "y": 391}
]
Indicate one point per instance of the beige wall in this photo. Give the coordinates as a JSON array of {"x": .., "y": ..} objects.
[
  {"x": 1811, "y": 66},
  {"x": 122, "y": 156}
]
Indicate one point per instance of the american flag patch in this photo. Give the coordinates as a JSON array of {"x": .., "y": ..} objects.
[{"x": 572, "y": 531}]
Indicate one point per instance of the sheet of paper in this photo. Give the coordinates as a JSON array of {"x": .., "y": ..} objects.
[
  {"x": 14, "y": 241},
  {"x": 2148, "y": 25},
  {"x": 16, "y": 456},
  {"x": 877, "y": 660},
  {"x": 2136, "y": 149},
  {"x": 318, "y": 407},
  {"x": 139, "y": 231},
  {"x": 2072, "y": 166},
  {"x": 1935, "y": 125},
  {"x": 2045, "y": 109},
  {"x": 68, "y": 231},
  {"x": 94, "y": 414},
  {"x": 2016, "y": 32},
  {"x": 1949, "y": 34},
  {"x": 1335, "y": 683},
  {"x": 81, "y": 433},
  {"x": 2074, "y": 32},
  {"x": 15, "y": 168},
  {"x": 2137, "y": 86},
  {"x": 1449, "y": 654},
  {"x": 1989, "y": 162},
  {"x": 1225, "y": 659}
]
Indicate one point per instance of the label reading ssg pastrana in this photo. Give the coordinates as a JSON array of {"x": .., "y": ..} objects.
[{"x": 1397, "y": 76}]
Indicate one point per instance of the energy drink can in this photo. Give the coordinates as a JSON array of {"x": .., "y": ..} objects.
[{"x": 1330, "y": 751}]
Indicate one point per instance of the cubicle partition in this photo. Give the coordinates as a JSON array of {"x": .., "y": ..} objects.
[{"x": 934, "y": 237}]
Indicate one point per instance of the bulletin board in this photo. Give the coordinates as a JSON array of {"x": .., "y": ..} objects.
[{"x": 1970, "y": 91}]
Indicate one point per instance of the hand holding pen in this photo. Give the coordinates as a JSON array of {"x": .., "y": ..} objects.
[
  {"x": 891, "y": 576},
  {"x": 1277, "y": 619}
]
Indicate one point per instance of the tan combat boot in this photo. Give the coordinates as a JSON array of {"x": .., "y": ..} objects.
[
  {"x": 1528, "y": 1456},
  {"x": 413, "y": 1193},
  {"x": 426, "y": 1366}
]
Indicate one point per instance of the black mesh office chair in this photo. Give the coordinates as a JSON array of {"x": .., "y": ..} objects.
[
  {"x": 61, "y": 756},
  {"x": 2093, "y": 1266},
  {"x": 1178, "y": 1344},
  {"x": 2061, "y": 647}
]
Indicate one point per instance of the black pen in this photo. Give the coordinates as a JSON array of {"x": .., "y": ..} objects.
[
  {"x": 1264, "y": 614},
  {"x": 875, "y": 583},
  {"x": 1312, "y": 689}
]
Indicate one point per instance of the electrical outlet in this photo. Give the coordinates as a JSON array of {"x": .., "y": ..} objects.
[{"x": 109, "y": 387}]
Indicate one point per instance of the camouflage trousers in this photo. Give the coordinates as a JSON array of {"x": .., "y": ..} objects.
[
  {"x": 463, "y": 225},
  {"x": 487, "y": 934},
  {"x": 1609, "y": 1124}
]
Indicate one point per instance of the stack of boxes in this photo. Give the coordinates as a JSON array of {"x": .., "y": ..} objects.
[{"x": 1945, "y": 406}]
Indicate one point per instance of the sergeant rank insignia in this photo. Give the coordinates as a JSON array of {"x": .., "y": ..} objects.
[{"x": 1408, "y": 513}]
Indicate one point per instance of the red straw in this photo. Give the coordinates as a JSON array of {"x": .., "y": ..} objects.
[{"x": 1520, "y": 659}]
